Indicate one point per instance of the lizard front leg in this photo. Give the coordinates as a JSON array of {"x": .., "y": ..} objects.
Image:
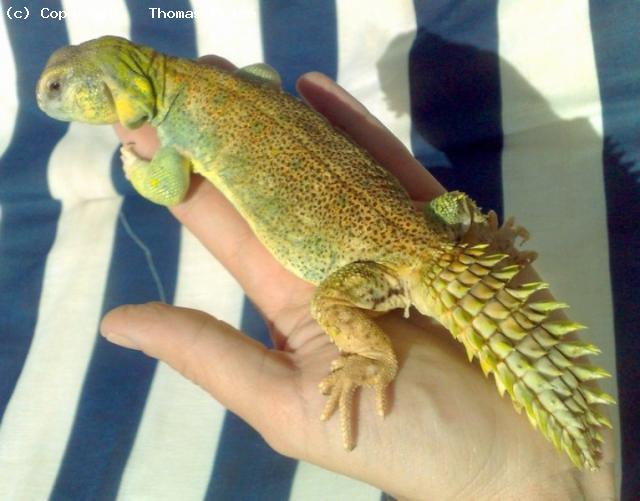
[
  {"x": 163, "y": 180},
  {"x": 366, "y": 356}
]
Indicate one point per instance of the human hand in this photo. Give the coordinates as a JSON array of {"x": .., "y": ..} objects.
[{"x": 448, "y": 433}]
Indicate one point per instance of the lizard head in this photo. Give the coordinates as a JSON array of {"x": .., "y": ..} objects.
[{"x": 102, "y": 81}]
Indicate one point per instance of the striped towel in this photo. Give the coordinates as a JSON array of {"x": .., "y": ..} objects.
[{"x": 530, "y": 106}]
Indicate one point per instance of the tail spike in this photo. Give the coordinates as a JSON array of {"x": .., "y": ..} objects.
[
  {"x": 458, "y": 267},
  {"x": 458, "y": 289},
  {"x": 488, "y": 362},
  {"x": 515, "y": 336},
  {"x": 577, "y": 396},
  {"x": 524, "y": 291},
  {"x": 531, "y": 316},
  {"x": 482, "y": 292},
  {"x": 496, "y": 310},
  {"x": 595, "y": 396},
  {"x": 477, "y": 250},
  {"x": 525, "y": 321},
  {"x": 574, "y": 349},
  {"x": 569, "y": 419},
  {"x": 506, "y": 377},
  {"x": 536, "y": 285},
  {"x": 552, "y": 403},
  {"x": 561, "y": 388},
  {"x": 555, "y": 432},
  {"x": 484, "y": 325},
  {"x": 547, "y": 368},
  {"x": 447, "y": 299},
  {"x": 531, "y": 348},
  {"x": 547, "y": 306},
  {"x": 492, "y": 260},
  {"x": 558, "y": 358},
  {"x": 602, "y": 419},
  {"x": 474, "y": 339},
  {"x": 512, "y": 329},
  {"x": 468, "y": 278},
  {"x": 562, "y": 327},
  {"x": 588, "y": 372},
  {"x": 536, "y": 381},
  {"x": 573, "y": 405},
  {"x": 479, "y": 270},
  {"x": 471, "y": 304},
  {"x": 493, "y": 283},
  {"x": 501, "y": 346},
  {"x": 507, "y": 273},
  {"x": 508, "y": 300},
  {"x": 544, "y": 339}
]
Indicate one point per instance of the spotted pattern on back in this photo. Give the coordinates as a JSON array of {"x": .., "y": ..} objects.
[{"x": 313, "y": 197}]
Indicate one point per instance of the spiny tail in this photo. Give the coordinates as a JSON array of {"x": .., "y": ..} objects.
[{"x": 471, "y": 292}]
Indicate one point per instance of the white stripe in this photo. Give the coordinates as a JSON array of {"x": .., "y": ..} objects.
[
  {"x": 9, "y": 94},
  {"x": 229, "y": 29},
  {"x": 552, "y": 160},
  {"x": 313, "y": 483},
  {"x": 173, "y": 453},
  {"x": 373, "y": 58},
  {"x": 40, "y": 414},
  {"x": 373, "y": 62}
]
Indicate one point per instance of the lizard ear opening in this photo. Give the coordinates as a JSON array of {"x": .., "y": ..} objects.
[{"x": 133, "y": 99}]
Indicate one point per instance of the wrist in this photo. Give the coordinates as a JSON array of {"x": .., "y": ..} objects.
[
  {"x": 598, "y": 485},
  {"x": 570, "y": 484}
]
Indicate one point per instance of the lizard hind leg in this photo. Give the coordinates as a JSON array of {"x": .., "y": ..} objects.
[
  {"x": 366, "y": 356},
  {"x": 460, "y": 217}
]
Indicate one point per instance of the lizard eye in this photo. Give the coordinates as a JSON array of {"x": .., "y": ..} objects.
[{"x": 54, "y": 86}]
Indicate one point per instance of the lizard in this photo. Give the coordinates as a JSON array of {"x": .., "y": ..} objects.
[{"x": 357, "y": 237}]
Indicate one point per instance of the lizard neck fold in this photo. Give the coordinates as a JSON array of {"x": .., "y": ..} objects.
[
  {"x": 164, "y": 94},
  {"x": 155, "y": 67}
]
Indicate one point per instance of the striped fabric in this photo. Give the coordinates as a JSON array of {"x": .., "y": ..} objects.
[{"x": 529, "y": 106}]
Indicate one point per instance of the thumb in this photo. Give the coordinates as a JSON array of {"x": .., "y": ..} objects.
[{"x": 242, "y": 374}]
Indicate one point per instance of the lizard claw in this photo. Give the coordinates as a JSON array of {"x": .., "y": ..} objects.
[
  {"x": 128, "y": 157},
  {"x": 349, "y": 372}
]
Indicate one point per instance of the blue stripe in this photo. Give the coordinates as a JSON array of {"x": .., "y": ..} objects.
[
  {"x": 299, "y": 36},
  {"x": 246, "y": 467},
  {"x": 118, "y": 380},
  {"x": 615, "y": 30},
  {"x": 456, "y": 97},
  {"x": 29, "y": 215}
]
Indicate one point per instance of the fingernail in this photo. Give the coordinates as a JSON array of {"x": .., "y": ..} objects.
[{"x": 120, "y": 340}]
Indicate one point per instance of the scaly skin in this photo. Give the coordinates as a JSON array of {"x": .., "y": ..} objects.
[{"x": 335, "y": 218}]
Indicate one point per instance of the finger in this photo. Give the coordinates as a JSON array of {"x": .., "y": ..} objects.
[
  {"x": 209, "y": 215},
  {"x": 238, "y": 371},
  {"x": 144, "y": 138},
  {"x": 231, "y": 241},
  {"x": 346, "y": 113}
]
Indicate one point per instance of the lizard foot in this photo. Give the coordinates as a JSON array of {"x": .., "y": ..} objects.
[
  {"x": 348, "y": 372},
  {"x": 504, "y": 239},
  {"x": 129, "y": 158}
]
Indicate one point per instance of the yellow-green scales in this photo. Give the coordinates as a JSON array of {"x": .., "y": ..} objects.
[{"x": 326, "y": 211}]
